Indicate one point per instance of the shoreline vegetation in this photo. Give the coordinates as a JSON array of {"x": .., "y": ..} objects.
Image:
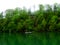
[{"x": 46, "y": 19}]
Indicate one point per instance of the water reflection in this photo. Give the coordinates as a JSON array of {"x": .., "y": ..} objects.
[{"x": 42, "y": 38}]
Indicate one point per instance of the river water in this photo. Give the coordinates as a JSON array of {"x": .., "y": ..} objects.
[{"x": 42, "y": 38}]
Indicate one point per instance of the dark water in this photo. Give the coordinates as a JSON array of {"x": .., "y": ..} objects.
[{"x": 42, "y": 38}]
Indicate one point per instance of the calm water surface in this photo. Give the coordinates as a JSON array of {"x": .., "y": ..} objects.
[{"x": 42, "y": 38}]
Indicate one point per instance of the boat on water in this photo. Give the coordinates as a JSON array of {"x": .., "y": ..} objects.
[{"x": 28, "y": 32}]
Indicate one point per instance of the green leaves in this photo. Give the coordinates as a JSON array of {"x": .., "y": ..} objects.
[
  {"x": 11, "y": 26},
  {"x": 40, "y": 20}
]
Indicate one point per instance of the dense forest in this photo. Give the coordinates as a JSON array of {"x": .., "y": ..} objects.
[{"x": 47, "y": 18}]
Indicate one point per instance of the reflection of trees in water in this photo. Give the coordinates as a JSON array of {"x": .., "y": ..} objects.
[{"x": 42, "y": 38}]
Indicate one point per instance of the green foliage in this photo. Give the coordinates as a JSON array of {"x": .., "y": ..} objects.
[{"x": 40, "y": 20}]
